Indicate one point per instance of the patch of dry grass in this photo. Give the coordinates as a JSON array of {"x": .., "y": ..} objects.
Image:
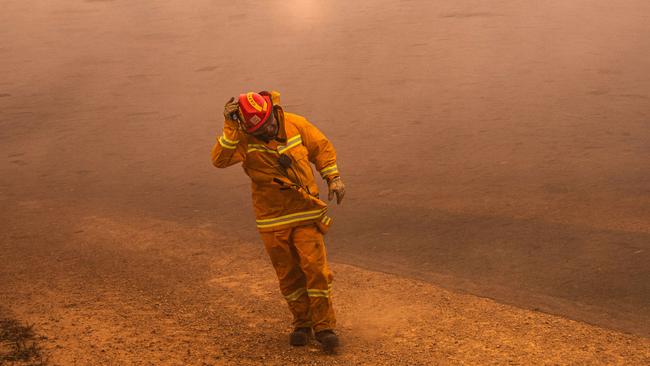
[{"x": 19, "y": 344}]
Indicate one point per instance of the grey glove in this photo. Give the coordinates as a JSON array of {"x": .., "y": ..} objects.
[
  {"x": 232, "y": 106},
  {"x": 337, "y": 187}
]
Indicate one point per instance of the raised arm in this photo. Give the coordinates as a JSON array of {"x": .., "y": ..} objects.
[{"x": 228, "y": 149}]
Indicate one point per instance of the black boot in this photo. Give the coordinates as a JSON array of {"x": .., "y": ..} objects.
[
  {"x": 300, "y": 336},
  {"x": 328, "y": 340}
]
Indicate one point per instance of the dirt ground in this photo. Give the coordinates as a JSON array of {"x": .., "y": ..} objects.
[
  {"x": 120, "y": 289},
  {"x": 496, "y": 156}
]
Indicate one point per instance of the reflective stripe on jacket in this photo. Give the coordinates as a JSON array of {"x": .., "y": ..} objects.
[{"x": 295, "y": 200}]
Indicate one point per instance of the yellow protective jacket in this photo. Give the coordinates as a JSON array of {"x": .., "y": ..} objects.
[{"x": 282, "y": 198}]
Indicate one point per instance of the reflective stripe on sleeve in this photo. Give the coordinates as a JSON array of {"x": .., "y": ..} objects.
[
  {"x": 332, "y": 169},
  {"x": 291, "y": 218},
  {"x": 227, "y": 143}
]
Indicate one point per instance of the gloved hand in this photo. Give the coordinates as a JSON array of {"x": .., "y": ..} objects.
[
  {"x": 337, "y": 187},
  {"x": 232, "y": 106}
]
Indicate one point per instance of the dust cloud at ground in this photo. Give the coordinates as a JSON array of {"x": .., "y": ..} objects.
[{"x": 500, "y": 149}]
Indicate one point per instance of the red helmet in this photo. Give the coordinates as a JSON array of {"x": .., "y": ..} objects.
[{"x": 254, "y": 110}]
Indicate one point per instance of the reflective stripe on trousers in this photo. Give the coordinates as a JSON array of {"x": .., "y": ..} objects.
[{"x": 291, "y": 218}]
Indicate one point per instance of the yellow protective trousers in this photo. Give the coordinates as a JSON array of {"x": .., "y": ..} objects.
[{"x": 300, "y": 261}]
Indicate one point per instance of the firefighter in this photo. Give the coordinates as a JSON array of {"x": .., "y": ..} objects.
[{"x": 276, "y": 149}]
